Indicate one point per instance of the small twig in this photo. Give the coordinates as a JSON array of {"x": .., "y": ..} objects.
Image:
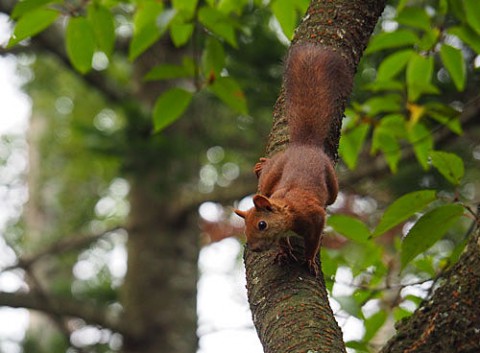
[{"x": 41, "y": 293}]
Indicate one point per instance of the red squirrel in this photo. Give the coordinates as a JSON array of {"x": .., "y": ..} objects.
[{"x": 297, "y": 184}]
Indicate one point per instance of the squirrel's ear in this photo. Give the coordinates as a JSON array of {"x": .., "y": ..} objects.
[
  {"x": 242, "y": 214},
  {"x": 262, "y": 203}
]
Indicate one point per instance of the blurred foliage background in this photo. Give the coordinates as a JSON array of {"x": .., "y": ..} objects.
[{"x": 146, "y": 120}]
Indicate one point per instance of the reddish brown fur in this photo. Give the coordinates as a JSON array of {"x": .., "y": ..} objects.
[
  {"x": 316, "y": 81},
  {"x": 296, "y": 185}
]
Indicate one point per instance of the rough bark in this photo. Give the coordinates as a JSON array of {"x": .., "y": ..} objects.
[
  {"x": 290, "y": 307},
  {"x": 449, "y": 321}
]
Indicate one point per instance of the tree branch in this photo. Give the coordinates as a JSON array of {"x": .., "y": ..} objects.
[
  {"x": 65, "y": 307},
  {"x": 58, "y": 320},
  {"x": 290, "y": 307},
  {"x": 61, "y": 246}
]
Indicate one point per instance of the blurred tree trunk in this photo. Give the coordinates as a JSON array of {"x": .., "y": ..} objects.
[{"x": 159, "y": 292}]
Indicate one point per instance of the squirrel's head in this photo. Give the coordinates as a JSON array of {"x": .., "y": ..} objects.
[{"x": 264, "y": 223}]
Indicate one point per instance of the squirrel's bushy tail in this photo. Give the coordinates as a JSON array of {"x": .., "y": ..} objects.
[{"x": 317, "y": 83}]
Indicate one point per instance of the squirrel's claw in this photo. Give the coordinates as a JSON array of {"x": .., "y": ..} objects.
[
  {"x": 286, "y": 252},
  {"x": 283, "y": 256},
  {"x": 258, "y": 166}
]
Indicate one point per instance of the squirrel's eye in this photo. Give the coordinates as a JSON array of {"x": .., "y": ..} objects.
[{"x": 262, "y": 225}]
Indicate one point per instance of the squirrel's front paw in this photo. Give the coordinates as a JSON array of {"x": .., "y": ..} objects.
[
  {"x": 285, "y": 255},
  {"x": 258, "y": 166}
]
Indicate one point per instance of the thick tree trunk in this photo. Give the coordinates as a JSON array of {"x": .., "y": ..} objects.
[
  {"x": 290, "y": 308},
  {"x": 159, "y": 293},
  {"x": 449, "y": 321}
]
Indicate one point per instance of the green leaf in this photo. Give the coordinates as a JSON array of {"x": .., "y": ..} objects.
[
  {"x": 385, "y": 140},
  {"x": 449, "y": 165},
  {"x": 468, "y": 36},
  {"x": 378, "y": 86},
  {"x": 472, "y": 12},
  {"x": 169, "y": 71},
  {"x": 142, "y": 40},
  {"x": 422, "y": 142},
  {"x": 32, "y": 23},
  {"x": 393, "y": 64},
  {"x": 358, "y": 347},
  {"x": 25, "y": 6},
  {"x": 228, "y": 90},
  {"x": 351, "y": 143},
  {"x": 349, "y": 304},
  {"x": 445, "y": 115},
  {"x": 302, "y": 5},
  {"x": 451, "y": 122},
  {"x": 386, "y": 136},
  {"x": 147, "y": 13},
  {"x": 329, "y": 263},
  {"x": 232, "y": 6},
  {"x": 429, "y": 39},
  {"x": 80, "y": 42},
  {"x": 352, "y": 228},
  {"x": 400, "y": 313},
  {"x": 442, "y": 7},
  {"x": 186, "y": 6},
  {"x": 403, "y": 208},
  {"x": 452, "y": 58},
  {"x": 181, "y": 33},
  {"x": 284, "y": 11},
  {"x": 102, "y": 22},
  {"x": 213, "y": 58},
  {"x": 388, "y": 40},
  {"x": 428, "y": 230},
  {"x": 165, "y": 19},
  {"x": 388, "y": 103},
  {"x": 425, "y": 265},
  {"x": 414, "y": 17},
  {"x": 373, "y": 324},
  {"x": 218, "y": 23},
  {"x": 169, "y": 107},
  {"x": 359, "y": 256},
  {"x": 457, "y": 9},
  {"x": 395, "y": 124},
  {"x": 146, "y": 31},
  {"x": 419, "y": 75}
]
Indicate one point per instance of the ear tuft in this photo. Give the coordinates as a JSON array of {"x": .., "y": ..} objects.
[
  {"x": 262, "y": 203},
  {"x": 242, "y": 214}
]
